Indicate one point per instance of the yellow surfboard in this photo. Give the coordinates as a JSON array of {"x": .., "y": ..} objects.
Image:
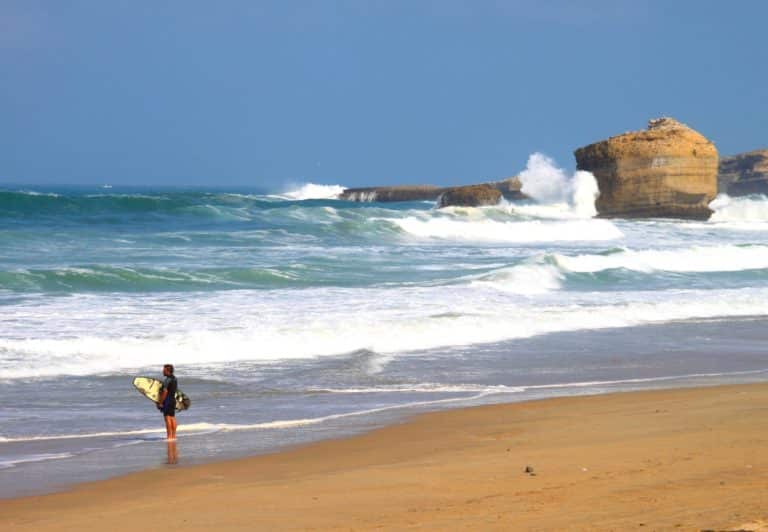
[{"x": 152, "y": 388}]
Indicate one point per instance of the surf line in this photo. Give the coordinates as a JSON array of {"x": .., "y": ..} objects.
[{"x": 209, "y": 428}]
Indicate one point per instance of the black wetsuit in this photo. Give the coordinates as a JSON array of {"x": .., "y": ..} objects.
[{"x": 169, "y": 405}]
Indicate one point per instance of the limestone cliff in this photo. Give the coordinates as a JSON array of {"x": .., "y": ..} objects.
[
  {"x": 668, "y": 170},
  {"x": 745, "y": 173}
]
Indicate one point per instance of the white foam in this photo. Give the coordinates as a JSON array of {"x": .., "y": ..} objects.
[
  {"x": 290, "y": 423},
  {"x": 501, "y": 389},
  {"x": 524, "y": 279},
  {"x": 723, "y": 258},
  {"x": 36, "y": 193},
  {"x": 267, "y": 326},
  {"x": 428, "y": 387},
  {"x": 558, "y": 194},
  {"x": 643, "y": 380},
  {"x": 276, "y": 424},
  {"x": 488, "y": 230},
  {"x": 377, "y": 363},
  {"x": 190, "y": 427},
  {"x": 365, "y": 196},
  {"x": 309, "y": 191},
  {"x": 43, "y": 457},
  {"x": 748, "y": 209},
  {"x": 479, "y": 391},
  {"x": 541, "y": 274}
]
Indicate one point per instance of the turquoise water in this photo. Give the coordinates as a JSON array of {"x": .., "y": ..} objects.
[{"x": 297, "y": 316}]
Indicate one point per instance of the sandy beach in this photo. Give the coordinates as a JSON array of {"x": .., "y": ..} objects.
[
  {"x": 444, "y": 266},
  {"x": 689, "y": 459}
]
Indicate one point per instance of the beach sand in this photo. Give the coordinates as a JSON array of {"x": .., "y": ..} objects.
[{"x": 689, "y": 459}]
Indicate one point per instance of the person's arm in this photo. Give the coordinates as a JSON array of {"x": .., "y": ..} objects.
[{"x": 162, "y": 397}]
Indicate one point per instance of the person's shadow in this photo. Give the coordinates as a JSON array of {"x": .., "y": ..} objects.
[{"x": 173, "y": 453}]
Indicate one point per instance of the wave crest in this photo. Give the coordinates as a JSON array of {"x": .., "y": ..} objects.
[
  {"x": 523, "y": 279},
  {"x": 489, "y": 230},
  {"x": 725, "y": 258},
  {"x": 309, "y": 191},
  {"x": 547, "y": 273},
  {"x": 98, "y": 278}
]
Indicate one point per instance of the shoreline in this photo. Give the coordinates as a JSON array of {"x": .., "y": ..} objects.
[{"x": 692, "y": 457}]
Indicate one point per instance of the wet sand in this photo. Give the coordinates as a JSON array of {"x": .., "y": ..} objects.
[{"x": 690, "y": 459}]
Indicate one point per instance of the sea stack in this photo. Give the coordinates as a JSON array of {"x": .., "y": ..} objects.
[
  {"x": 745, "y": 173},
  {"x": 669, "y": 170}
]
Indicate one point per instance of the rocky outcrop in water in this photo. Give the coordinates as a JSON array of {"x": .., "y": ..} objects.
[
  {"x": 745, "y": 173},
  {"x": 470, "y": 196},
  {"x": 510, "y": 188},
  {"x": 668, "y": 170},
  {"x": 507, "y": 188},
  {"x": 395, "y": 193}
]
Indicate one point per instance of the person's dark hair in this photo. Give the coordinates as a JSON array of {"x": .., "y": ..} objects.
[{"x": 169, "y": 367}]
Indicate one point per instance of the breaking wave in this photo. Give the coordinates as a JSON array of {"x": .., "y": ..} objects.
[
  {"x": 151, "y": 205},
  {"x": 524, "y": 279},
  {"x": 548, "y": 272},
  {"x": 266, "y": 330},
  {"x": 489, "y": 230},
  {"x": 722, "y": 258},
  {"x": 310, "y": 191},
  {"x": 137, "y": 279},
  {"x": 557, "y": 194},
  {"x": 741, "y": 209},
  {"x": 118, "y": 206}
]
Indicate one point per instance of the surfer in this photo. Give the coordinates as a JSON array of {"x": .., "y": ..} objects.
[{"x": 167, "y": 401}]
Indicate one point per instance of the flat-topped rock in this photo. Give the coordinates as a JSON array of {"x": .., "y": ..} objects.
[
  {"x": 394, "y": 193},
  {"x": 508, "y": 188},
  {"x": 744, "y": 173},
  {"x": 667, "y": 170},
  {"x": 470, "y": 196}
]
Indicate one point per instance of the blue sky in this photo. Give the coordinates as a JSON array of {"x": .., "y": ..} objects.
[{"x": 361, "y": 93}]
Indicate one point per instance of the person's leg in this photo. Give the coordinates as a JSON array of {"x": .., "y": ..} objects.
[
  {"x": 173, "y": 453},
  {"x": 169, "y": 427},
  {"x": 173, "y": 427}
]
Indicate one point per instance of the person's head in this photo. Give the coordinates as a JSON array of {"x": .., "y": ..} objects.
[{"x": 168, "y": 370}]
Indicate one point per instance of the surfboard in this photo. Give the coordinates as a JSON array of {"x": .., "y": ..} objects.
[{"x": 151, "y": 389}]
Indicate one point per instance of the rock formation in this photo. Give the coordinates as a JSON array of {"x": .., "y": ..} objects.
[
  {"x": 745, "y": 173},
  {"x": 668, "y": 170},
  {"x": 394, "y": 193},
  {"x": 470, "y": 196},
  {"x": 508, "y": 188}
]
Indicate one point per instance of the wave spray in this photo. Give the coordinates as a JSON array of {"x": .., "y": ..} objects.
[{"x": 549, "y": 185}]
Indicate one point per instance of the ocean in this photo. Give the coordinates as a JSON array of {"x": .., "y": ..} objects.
[{"x": 295, "y": 316}]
